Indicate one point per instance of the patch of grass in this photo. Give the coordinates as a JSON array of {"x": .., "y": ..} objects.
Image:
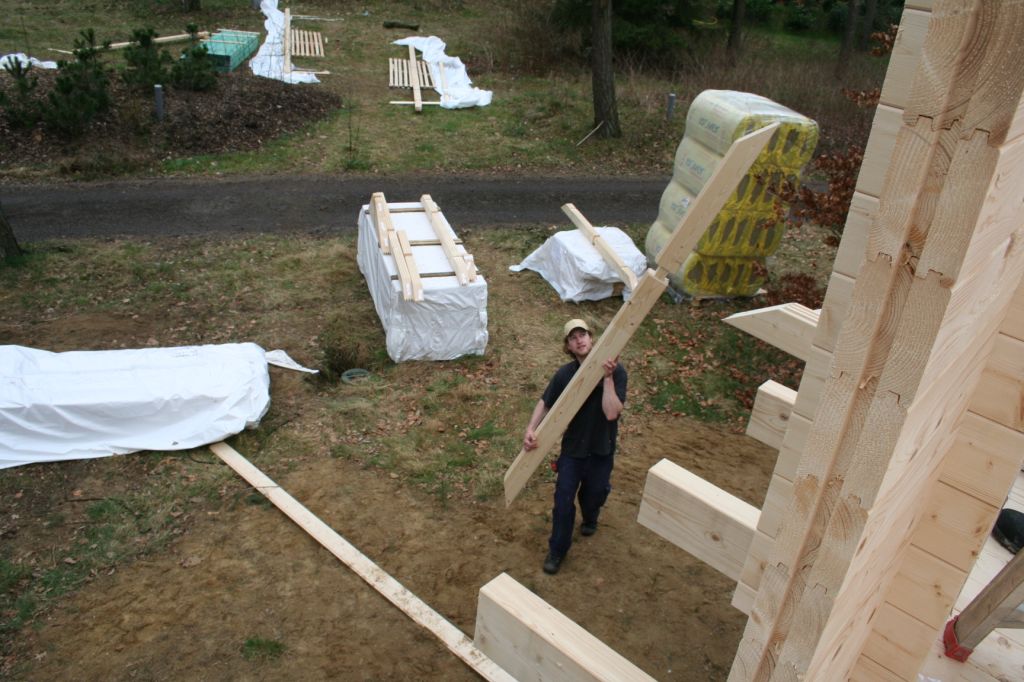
[
  {"x": 540, "y": 110},
  {"x": 485, "y": 431},
  {"x": 261, "y": 649}
]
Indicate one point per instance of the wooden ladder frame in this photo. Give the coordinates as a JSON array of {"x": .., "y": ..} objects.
[{"x": 299, "y": 43}]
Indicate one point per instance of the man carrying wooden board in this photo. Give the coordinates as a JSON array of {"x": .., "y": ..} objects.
[{"x": 584, "y": 466}]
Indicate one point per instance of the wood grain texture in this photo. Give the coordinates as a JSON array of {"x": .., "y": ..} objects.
[
  {"x": 532, "y": 640},
  {"x": 788, "y": 327},
  {"x": 697, "y": 516},
  {"x": 769, "y": 417}
]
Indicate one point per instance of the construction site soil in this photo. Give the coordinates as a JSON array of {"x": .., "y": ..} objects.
[
  {"x": 236, "y": 569},
  {"x": 239, "y": 569}
]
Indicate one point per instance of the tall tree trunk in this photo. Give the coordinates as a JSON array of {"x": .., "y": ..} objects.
[
  {"x": 870, "y": 12},
  {"x": 8, "y": 244},
  {"x": 735, "y": 44},
  {"x": 849, "y": 33},
  {"x": 606, "y": 112}
]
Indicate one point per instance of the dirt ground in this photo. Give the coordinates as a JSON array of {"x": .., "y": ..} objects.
[{"x": 239, "y": 570}]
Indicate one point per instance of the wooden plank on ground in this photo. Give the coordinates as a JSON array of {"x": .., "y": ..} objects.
[
  {"x": 697, "y": 516},
  {"x": 607, "y": 252},
  {"x": 414, "y": 80},
  {"x": 411, "y": 605},
  {"x": 532, "y": 640}
]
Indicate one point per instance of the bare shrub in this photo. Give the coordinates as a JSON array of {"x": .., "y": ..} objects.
[{"x": 531, "y": 43}]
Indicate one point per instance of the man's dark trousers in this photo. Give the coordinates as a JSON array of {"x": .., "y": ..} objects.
[{"x": 591, "y": 476}]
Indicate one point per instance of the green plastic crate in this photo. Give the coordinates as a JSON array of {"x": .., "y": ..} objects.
[{"x": 228, "y": 49}]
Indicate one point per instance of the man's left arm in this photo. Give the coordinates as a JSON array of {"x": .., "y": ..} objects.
[{"x": 611, "y": 402}]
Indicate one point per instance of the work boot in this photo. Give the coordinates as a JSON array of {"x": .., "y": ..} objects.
[
  {"x": 1009, "y": 530},
  {"x": 588, "y": 528},
  {"x": 552, "y": 563}
]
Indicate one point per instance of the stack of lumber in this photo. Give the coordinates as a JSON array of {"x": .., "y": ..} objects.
[{"x": 429, "y": 296}]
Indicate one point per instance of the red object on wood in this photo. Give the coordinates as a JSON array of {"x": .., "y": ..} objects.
[{"x": 954, "y": 649}]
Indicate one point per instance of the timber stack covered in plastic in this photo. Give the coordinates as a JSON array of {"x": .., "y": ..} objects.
[{"x": 426, "y": 289}]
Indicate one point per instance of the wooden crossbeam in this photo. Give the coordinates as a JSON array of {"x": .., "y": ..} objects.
[
  {"x": 462, "y": 263},
  {"x": 708, "y": 203},
  {"x": 532, "y": 640},
  {"x": 408, "y": 273},
  {"x": 697, "y": 516},
  {"x": 381, "y": 221},
  {"x": 789, "y": 327},
  {"x": 396, "y": 244},
  {"x": 411, "y": 605},
  {"x": 769, "y": 418},
  {"x": 603, "y": 247}
]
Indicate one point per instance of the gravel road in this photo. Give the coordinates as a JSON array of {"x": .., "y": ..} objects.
[{"x": 319, "y": 204}]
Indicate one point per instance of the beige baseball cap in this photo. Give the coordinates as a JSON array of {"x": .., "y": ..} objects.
[{"x": 574, "y": 324}]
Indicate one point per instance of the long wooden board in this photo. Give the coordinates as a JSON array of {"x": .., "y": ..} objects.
[
  {"x": 604, "y": 248},
  {"x": 411, "y": 605},
  {"x": 708, "y": 203}
]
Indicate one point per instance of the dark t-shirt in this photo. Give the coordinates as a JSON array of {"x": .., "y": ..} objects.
[{"x": 589, "y": 432}]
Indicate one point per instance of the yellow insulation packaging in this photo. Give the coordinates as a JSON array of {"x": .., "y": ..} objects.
[{"x": 749, "y": 225}]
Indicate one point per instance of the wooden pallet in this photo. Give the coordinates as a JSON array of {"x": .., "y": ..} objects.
[
  {"x": 414, "y": 74},
  {"x": 398, "y": 74},
  {"x": 299, "y": 43}
]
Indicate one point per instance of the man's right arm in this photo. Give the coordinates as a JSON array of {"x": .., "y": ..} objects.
[{"x": 540, "y": 410}]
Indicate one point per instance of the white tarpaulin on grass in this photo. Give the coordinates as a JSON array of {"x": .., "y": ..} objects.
[
  {"x": 9, "y": 60},
  {"x": 455, "y": 88},
  {"x": 85, "y": 404},
  {"x": 268, "y": 61},
  {"x": 577, "y": 270}
]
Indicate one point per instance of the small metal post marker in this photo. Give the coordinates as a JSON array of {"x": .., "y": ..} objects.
[
  {"x": 671, "y": 107},
  {"x": 158, "y": 102}
]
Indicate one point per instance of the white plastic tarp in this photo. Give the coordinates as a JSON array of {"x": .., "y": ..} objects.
[
  {"x": 450, "y": 321},
  {"x": 85, "y": 404},
  {"x": 577, "y": 270},
  {"x": 9, "y": 60},
  {"x": 457, "y": 91},
  {"x": 269, "y": 59}
]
